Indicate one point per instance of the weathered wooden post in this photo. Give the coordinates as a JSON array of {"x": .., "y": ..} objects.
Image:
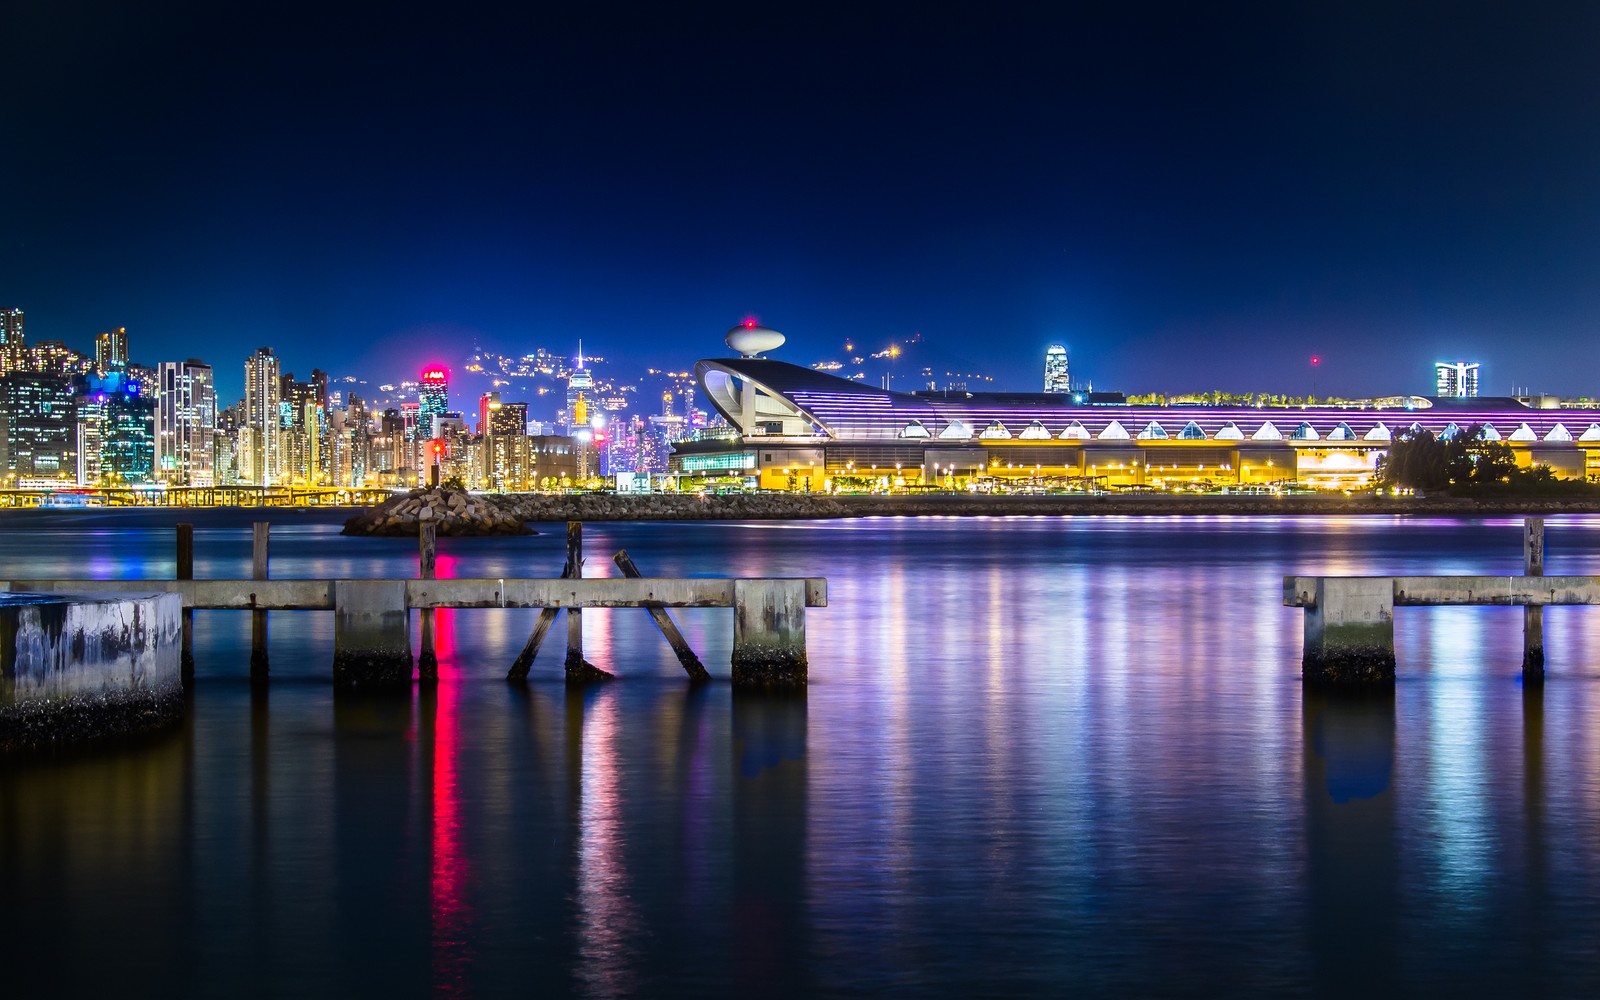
[
  {"x": 185, "y": 571},
  {"x": 579, "y": 670},
  {"x": 691, "y": 663},
  {"x": 769, "y": 633},
  {"x": 427, "y": 658},
  {"x": 260, "y": 533},
  {"x": 1533, "y": 617},
  {"x": 1349, "y": 632}
]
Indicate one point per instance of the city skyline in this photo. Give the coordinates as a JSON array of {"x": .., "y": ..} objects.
[{"x": 1181, "y": 197}]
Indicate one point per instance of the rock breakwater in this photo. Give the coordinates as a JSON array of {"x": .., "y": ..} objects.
[{"x": 452, "y": 513}]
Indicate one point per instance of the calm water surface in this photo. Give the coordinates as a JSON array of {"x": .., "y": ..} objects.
[{"x": 1037, "y": 756}]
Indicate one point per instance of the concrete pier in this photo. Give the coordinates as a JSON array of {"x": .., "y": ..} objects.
[
  {"x": 769, "y": 633},
  {"x": 371, "y": 635},
  {"x": 76, "y": 666},
  {"x": 1349, "y": 631},
  {"x": 372, "y": 646}
]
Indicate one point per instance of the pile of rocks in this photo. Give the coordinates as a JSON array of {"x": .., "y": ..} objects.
[
  {"x": 670, "y": 506},
  {"x": 452, "y": 512}
]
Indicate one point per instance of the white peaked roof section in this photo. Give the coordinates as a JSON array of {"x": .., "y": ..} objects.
[
  {"x": 914, "y": 430},
  {"x": 956, "y": 430},
  {"x": 1267, "y": 432},
  {"x": 1153, "y": 432},
  {"x": 1559, "y": 433},
  {"x": 1488, "y": 433},
  {"x": 1114, "y": 432},
  {"x": 1450, "y": 431},
  {"x": 1230, "y": 432},
  {"x": 1305, "y": 432},
  {"x": 1191, "y": 432},
  {"x": 996, "y": 431},
  {"x": 1415, "y": 428},
  {"x": 1342, "y": 433},
  {"x": 1075, "y": 432},
  {"x": 1524, "y": 433},
  {"x": 1379, "y": 432},
  {"x": 1034, "y": 432},
  {"x": 1592, "y": 434}
]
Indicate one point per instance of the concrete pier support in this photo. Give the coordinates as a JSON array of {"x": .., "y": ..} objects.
[
  {"x": 260, "y": 543},
  {"x": 1349, "y": 636},
  {"x": 1533, "y": 616},
  {"x": 371, "y": 635},
  {"x": 769, "y": 634},
  {"x": 79, "y": 666}
]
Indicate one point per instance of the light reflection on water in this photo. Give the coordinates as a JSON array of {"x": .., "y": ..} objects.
[{"x": 1037, "y": 755}]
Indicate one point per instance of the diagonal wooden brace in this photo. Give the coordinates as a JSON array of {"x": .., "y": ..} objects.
[{"x": 691, "y": 663}]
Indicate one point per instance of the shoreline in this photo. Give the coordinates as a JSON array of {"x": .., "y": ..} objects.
[{"x": 600, "y": 507}]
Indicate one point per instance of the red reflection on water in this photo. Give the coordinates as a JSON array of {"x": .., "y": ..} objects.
[{"x": 451, "y": 914}]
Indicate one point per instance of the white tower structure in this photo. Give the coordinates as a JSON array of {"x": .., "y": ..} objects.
[{"x": 1055, "y": 369}]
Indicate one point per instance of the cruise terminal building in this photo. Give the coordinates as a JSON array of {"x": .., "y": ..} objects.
[{"x": 796, "y": 428}]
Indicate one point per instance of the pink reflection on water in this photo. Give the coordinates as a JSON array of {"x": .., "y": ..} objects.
[
  {"x": 450, "y": 873},
  {"x": 608, "y": 921}
]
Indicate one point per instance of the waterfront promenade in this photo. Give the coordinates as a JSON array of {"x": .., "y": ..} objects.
[{"x": 599, "y": 506}]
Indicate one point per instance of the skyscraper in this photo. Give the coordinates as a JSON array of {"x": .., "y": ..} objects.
[
  {"x": 13, "y": 347},
  {"x": 1456, "y": 379},
  {"x": 186, "y": 420},
  {"x": 580, "y": 388},
  {"x": 1055, "y": 369},
  {"x": 433, "y": 400},
  {"x": 262, "y": 393},
  {"x": 111, "y": 350},
  {"x": 38, "y": 429}
]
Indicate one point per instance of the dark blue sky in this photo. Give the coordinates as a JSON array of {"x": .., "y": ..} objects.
[{"x": 1187, "y": 195}]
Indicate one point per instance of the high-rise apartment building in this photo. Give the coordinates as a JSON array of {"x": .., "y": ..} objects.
[
  {"x": 433, "y": 400},
  {"x": 38, "y": 429},
  {"x": 263, "y": 388},
  {"x": 1456, "y": 379},
  {"x": 186, "y": 422},
  {"x": 52, "y": 357},
  {"x": 111, "y": 350},
  {"x": 13, "y": 346},
  {"x": 127, "y": 432},
  {"x": 1055, "y": 369}
]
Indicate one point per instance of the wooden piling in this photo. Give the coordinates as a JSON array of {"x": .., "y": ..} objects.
[
  {"x": 691, "y": 663},
  {"x": 579, "y": 670},
  {"x": 1533, "y": 617},
  {"x": 427, "y": 658},
  {"x": 185, "y": 571},
  {"x": 260, "y": 533}
]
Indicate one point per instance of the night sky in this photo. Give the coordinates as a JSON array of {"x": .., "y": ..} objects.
[{"x": 1189, "y": 196}]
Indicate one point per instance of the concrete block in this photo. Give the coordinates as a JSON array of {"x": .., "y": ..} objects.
[
  {"x": 76, "y": 666},
  {"x": 371, "y": 635},
  {"x": 1349, "y": 631},
  {"x": 769, "y": 633}
]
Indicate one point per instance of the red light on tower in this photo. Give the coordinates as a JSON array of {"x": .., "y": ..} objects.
[{"x": 1315, "y": 360}]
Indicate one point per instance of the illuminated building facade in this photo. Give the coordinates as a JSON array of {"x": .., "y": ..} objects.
[
  {"x": 38, "y": 430},
  {"x": 111, "y": 351},
  {"x": 13, "y": 345},
  {"x": 1055, "y": 370},
  {"x": 186, "y": 422},
  {"x": 790, "y": 425},
  {"x": 1456, "y": 379},
  {"x": 126, "y": 413},
  {"x": 433, "y": 400},
  {"x": 263, "y": 390}
]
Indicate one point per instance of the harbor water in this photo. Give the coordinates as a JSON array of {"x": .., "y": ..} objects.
[{"x": 1038, "y": 756}]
